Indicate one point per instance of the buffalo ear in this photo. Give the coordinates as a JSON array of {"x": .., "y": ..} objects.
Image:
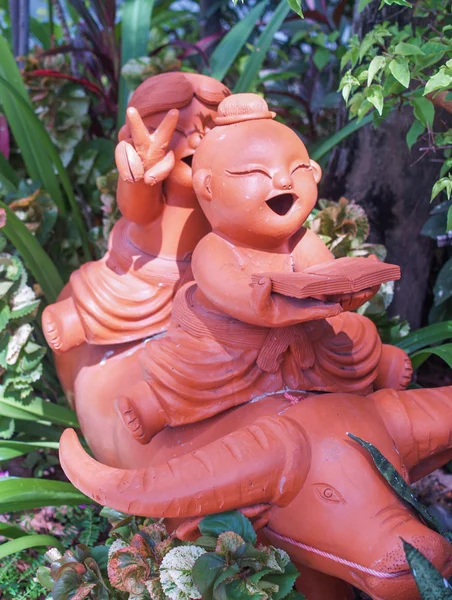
[
  {"x": 316, "y": 170},
  {"x": 420, "y": 423},
  {"x": 202, "y": 184}
]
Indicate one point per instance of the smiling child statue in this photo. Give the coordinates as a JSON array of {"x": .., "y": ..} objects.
[
  {"x": 127, "y": 295},
  {"x": 232, "y": 338}
]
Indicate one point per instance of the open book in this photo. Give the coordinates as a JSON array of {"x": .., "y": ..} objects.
[{"x": 340, "y": 276}]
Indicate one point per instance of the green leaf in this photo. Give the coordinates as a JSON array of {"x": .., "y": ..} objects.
[
  {"x": 34, "y": 256},
  {"x": 398, "y": 2},
  {"x": 205, "y": 572},
  {"x": 239, "y": 589},
  {"x": 22, "y": 493},
  {"x": 423, "y": 110},
  {"x": 39, "y": 153},
  {"x": 12, "y": 449},
  {"x": 321, "y": 57},
  {"x": 40, "y": 32},
  {"x": 135, "y": 28},
  {"x": 376, "y": 64},
  {"x": 375, "y": 96},
  {"x": 397, "y": 483},
  {"x": 415, "y": 131},
  {"x": 284, "y": 581},
  {"x": 231, "y": 45},
  {"x": 449, "y": 219},
  {"x": 400, "y": 70},
  {"x": 26, "y": 127},
  {"x": 29, "y": 541},
  {"x": 362, "y": 4},
  {"x": 253, "y": 64},
  {"x": 8, "y": 177},
  {"x": 319, "y": 150},
  {"x": 11, "y": 531},
  {"x": 431, "y": 584},
  {"x": 6, "y": 428},
  {"x": 44, "y": 577},
  {"x": 444, "y": 352},
  {"x": 426, "y": 336},
  {"x": 445, "y": 183},
  {"x": 347, "y": 83},
  {"x": 228, "y": 521},
  {"x": 208, "y": 542},
  {"x": 295, "y": 5},
  {"x": 39, "y": 410},
  {"x": 439, "y": 81},
  {"x": 406, "y": 49}
]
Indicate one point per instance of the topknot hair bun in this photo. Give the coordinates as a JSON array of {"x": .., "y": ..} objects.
[{"x": 242, "y": 107}]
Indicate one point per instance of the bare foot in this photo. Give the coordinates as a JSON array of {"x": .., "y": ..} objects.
[
  {"x": 395, "y": 369},
  {"x": 62, "y": 327},
  {"x": 140, "y": 413}
]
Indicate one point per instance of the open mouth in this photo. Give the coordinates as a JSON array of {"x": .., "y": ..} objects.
[
  {"x": 282, "y": 203},
  {"x": 188, "y": 160}
]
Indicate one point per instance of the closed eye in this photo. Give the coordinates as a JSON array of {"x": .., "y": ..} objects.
[
  {"x": 247, "y": 171},
  {"x": 302, "y": 167}
]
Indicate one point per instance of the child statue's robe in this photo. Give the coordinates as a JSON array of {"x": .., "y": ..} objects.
[
  {"x": 209, "y": 362},
  {"x": 127, "y": 295}
]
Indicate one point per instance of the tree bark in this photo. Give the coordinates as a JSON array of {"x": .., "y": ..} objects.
[{"x": 375, "y": 168}]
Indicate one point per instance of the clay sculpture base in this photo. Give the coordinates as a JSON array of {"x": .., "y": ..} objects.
[{"x": 322, "y": 486}]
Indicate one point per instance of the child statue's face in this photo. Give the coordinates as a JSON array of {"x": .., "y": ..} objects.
[{"x": 257, "y": 185}]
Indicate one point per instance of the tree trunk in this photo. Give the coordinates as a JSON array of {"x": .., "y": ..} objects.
[{"x": 375, "y": 168}]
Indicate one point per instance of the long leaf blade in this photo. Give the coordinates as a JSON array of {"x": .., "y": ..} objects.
[
  {"x": 255, "y": 60},
  {"x": 41, "y": 410},
  {"x": 12, "y": 449},
  {"x": 25, "y": 493},
  {"x": 34, "y": 256},
  {"x": 426, "y": 336},
  {"x": 444, "y": 352},
  {"x": 25, "y": 126},
  {"x": 29, "y": 541},
  {"x": 37, "y": 139},
  {"x": 135, "y": 27},
  {"x": 231, "y": 45},
  {"x": 11, "y": 531},
  {"x": 431, "y": 584},
  {"x": 39, "y": 153},
  {"x": 397, "y": 483},
  {"x": 322, "y": 148},
  {"x": 8, "y": 177}
]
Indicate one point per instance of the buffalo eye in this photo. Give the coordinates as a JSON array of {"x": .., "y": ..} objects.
[{"x": 328, "y": 493}]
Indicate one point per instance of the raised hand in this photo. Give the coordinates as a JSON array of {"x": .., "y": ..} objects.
[{"x": 147, "y": 156}]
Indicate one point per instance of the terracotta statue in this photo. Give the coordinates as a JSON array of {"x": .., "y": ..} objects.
[
  {"x": 269, "y": 307},
  {"x": 210, "y": 416},
  {"x": 128, "y": 294},
  {"x": 318, "y": 491}
]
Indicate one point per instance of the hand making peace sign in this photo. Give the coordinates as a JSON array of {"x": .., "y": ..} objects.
[{"x": 146, "y": 157}]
